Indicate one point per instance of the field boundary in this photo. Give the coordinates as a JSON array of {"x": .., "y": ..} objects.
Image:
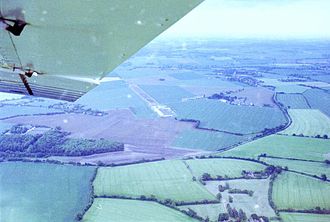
[
  {"x": 307, "y": 102},
  {"x": 290, "y": 158},
  {"x": 79, "y": 216},
  {"x": 311, "y": 211},
  {"x": 263, "y": 163}
]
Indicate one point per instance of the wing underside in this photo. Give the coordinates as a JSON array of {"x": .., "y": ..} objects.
[{"x": 78, "y": 38}]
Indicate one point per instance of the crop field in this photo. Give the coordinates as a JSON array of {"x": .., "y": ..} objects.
[
  {"x": 187, "y": 75},
  {"x": 283, "y": 146},
  {"x": 299, "y": 192},
  {"x": 306, "y": 72},
  {"x": 208, "y": 91},
  {"x": 317, "y": 84},
  {"x": 211, "y": 211},
  {"x": 304, "y": 217},
  {"x": 211, "y": 82},
  {"x": 309, "y": 122},
  {"x": 285, "y": 87},
  {"x": 106, "y": 209},
  {"x": 231, "y": 118},
  {"x": 293, "y": 101},
  {"x": 257, "y": 203},
  {"x": 291, "y": 88},
  {"x": 206, "y": 140},
  {"x": 166, "y": 94},
  {"x": 223, "y": 167},
  {"x": 118, "y": 96},
  {"x": 43, "y": 192},
  {"x": 208, "y": 86},
  {"x": 319, "y": 99},
  {"x": 165, "y": 179},
  {"x": 312, "y": 168}
]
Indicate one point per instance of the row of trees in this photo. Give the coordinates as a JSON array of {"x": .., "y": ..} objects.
[
  {"x": 76, "y": 108},
  {"x": 239, "y": 191},
  {"x": 325, "y": 136},
  {"x": 240, "y": 216}
]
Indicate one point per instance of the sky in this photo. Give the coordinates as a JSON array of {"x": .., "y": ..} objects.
[{"x": 256, "y": 18}]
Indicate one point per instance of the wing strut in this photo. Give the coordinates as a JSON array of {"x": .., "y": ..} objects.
[{"x": 26, "y": 84}]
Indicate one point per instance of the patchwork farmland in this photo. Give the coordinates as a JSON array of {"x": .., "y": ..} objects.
[
  {"x": 312, "y": 168},
  {"x": 230, "y": 118},
  {"x": 229, "y": 168},
  {"x": 283, "y": 146},
  {"x": 255, "y": 203},
  {"x": 168, "y": 179},
  {"x": 319, "y": 99},
  {"x": 220, "y": 156}
]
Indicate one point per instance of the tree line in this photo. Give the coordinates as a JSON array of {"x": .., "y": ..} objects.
[{"x": 18, "y": 143}]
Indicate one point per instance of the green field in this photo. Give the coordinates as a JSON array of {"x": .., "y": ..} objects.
[
  {"x": 300, "y": 192},
  {"x": 166, "y": 94},
  {"x": 283, "y": 146},
  {"x": 301, "y": 217},
  {"x": 43, "y": 192},
  {"x": 231, "y": 118},
  {"x": 106, "y": 209},
  {"x": 319, "y": 99},
  {"x": 309, "y": 122},
  {"x": 317, "y": 84},
  {"x": 285, "y": 87},
  {"x": 291, "y": 88},
  {"x": 165, "y": 179},
  {"x": 257, "y": 203},
  {"x": 218, "y": 166},
  {"x": 293, "y": 101},
  {"x": 312, "y": 168},
  {"x": 211, "y": 211},
  {"x": 116, "y": 95},
  {"x": 206, "y": 140}
]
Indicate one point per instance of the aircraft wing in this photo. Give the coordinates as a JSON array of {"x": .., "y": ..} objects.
[{"x": 78, "y": 39}]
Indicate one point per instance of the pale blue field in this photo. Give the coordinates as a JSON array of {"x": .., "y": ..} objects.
[{"x": 43, "y": 192}]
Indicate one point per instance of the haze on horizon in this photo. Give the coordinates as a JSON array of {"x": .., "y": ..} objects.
[{"x": 255, "y": 19}]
